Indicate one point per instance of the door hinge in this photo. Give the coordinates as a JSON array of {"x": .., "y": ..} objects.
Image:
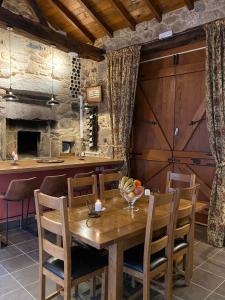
[{"x": 173, "y": 159}]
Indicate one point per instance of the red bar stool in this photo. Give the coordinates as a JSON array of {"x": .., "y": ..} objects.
[{"x": 18, "y": 190}]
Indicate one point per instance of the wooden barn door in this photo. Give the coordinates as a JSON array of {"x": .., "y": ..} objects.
[{"x": 169, "y": 129}]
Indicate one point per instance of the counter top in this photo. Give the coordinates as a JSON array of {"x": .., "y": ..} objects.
[{"x": 6, "y": 167}]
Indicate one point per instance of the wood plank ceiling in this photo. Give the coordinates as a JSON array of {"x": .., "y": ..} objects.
[{"x": 87, "y": 20}]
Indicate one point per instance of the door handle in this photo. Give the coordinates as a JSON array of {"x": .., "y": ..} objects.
[{"x": 176, "y": 131}]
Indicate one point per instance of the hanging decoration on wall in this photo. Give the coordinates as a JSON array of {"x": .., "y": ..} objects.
[
  {"x": 94, "y": 94},
  {"x": 52, "y": 101},
  {"x": 10, "y": 96},
  {"x": 75, "y": 77}
]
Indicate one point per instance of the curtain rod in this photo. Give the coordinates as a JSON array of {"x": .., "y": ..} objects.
[{"x": 171, "y": 55}]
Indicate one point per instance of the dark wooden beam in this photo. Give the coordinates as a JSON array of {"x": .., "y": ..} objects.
[
  {"x": 98, "y": 19},
  {"x": 46, "y": 35},
  {"x": 179, "y": 39},
  {"x": 71, "y": 17},
  {"x": 190, "y": 4},
  {"x": 33, "y": 4},
  {"x": 154, "y": 8},
  {"x": 124, "y": 13}
]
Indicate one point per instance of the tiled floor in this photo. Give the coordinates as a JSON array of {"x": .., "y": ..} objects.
[{"x": 19, "y": 271}]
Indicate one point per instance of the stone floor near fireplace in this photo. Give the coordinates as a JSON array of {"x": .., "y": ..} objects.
[{"x": 19, "y": 271}]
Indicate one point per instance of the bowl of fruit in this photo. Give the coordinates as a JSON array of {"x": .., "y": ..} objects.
[{"x": 131, "y": 190}]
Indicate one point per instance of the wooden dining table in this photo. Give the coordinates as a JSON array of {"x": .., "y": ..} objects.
[{"x": 117, "y": 230}]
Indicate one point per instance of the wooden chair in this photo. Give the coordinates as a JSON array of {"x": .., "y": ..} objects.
[
  {"x": 184, "y": 232},
  {"x": 83, "y": 189},
  {"x": 189, "y": 179},
  {"x": 105, "y": 180},
  {"x": 75, "y": 183},
  {"x": 66, "y": 266},
  {"x": 155, "y": 256}
]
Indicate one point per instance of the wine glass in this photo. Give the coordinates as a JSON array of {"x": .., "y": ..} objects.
[{"x": 132, "y": 199}]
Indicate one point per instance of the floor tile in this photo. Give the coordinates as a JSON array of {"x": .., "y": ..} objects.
[
  {"x": 220, "y": 256},
  {"x": 27, "y": 275},
  {"x": 9, "y": 252},
  {"x": 33, "y": 288},
  {"x": 34, "y": 255},
  {"x": 214, "y": 267},
  {"x": 20, "y": 236},
  {"x": 221, "y": 289},
  {"x": 2, "y": 271},
  {"x": 206, "y": 279},
  {"x": 203, "y": 251},
  {"x": 8, "y": 284},
  {"x": 191, "y": 292},
  {"x": 28, "y": 246},
  {"x": 20, "y": 294},
  {"x": 215, "y": 296},
  {"x": 17, "y": 263}
]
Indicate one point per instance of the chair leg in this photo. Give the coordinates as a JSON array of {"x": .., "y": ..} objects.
[
  {"x": 92, "y": 287},
  {"x": 188, "y": 260},
  {"x": 42, "y": 283},
  {"x": 28, "y": 207},
  {"x": 67, "y": 291},
  {"x": 169, "y": 282},
  {"x": 146, "y": 288},
  {"x": 104, "y": 289}
]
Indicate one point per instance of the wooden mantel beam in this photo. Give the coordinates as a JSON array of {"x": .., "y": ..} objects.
[
  {"x": 124, "y": 13},
  {"x": 98, "y": 19},
  {"x": 154, "y": 9},
  {"x": 190, "y": 4},
  {"x": 34, "y": 5},
  {"x": 71, "y": 17},
  {"x": 46, "y": 35}
]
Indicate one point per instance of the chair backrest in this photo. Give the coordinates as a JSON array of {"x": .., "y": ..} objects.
[
  {"x": 107, "y": 178},
  {"x": 59, "y": 227},
  {"x": 54, "y": 185},
  {"x": 83, "y": 188},
  {"x": 189, "y": 179},
  {"x": 155, "y": 223},
  {"x": 20, "y": 189},
  {"x": 186, "y": 216},
  {"x": 74, "y": 183}
]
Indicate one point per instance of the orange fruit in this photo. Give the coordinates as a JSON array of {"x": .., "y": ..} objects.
[{"x": 137, "y": 182}]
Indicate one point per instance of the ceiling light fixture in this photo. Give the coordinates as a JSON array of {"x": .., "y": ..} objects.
[
  {"x": 52, "y": 101},
  {"x": 10, "y": 96}
]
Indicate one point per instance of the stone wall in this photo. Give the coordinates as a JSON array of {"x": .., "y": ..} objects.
[
  {"x": 31, "y": 71},
  {"x": 94, "y": 73}
]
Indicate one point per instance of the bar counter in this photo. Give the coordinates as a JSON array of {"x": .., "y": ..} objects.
[
  {"x": 6, "y": 167},
  {"x": 31, "y": 168}
]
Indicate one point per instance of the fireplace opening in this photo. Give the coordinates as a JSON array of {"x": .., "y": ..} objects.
[{"x": 28, "y": 143}]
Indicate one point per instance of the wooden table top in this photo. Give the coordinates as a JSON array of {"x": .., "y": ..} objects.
[
  {"x": 69, "y": 162},
  {"x": 115, "y": 222}
]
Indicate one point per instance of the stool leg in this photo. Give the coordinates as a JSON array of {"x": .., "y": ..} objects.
[
  {"x": 7, "y": 223},
  {"x": 28, "y": 207},
  {"x": 21, "y": 222}
]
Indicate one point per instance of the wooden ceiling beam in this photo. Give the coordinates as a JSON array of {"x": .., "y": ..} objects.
[
  {"x": 71, "y": 17},
  {"x": 47, "y": 35},
  {"x": 98, "y": 19},
  {"x": 190, "y": 4},
  {"x": 124, "y": 13},
  {"x": 156, "y": 11},
  {"x": 34, "y": 5}
]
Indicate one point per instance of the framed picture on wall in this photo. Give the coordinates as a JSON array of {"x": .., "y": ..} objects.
[{"x": 94, "y": 94}]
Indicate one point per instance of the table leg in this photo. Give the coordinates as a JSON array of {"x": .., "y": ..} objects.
[{"x": 115, "y": 272}]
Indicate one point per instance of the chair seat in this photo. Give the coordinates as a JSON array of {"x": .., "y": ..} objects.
[
  {"x": 133, "y": 258},
  {"x": 84, "y": 260},
  {"x": 180, "y": 244}
]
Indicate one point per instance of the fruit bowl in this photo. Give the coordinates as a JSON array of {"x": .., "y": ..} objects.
[{"x": 131, "y": 190}]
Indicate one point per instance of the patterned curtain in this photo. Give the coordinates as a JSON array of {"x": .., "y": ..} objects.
[
  {"x": 215, "y": 108},
  {"x": 122, "y": 68}
]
